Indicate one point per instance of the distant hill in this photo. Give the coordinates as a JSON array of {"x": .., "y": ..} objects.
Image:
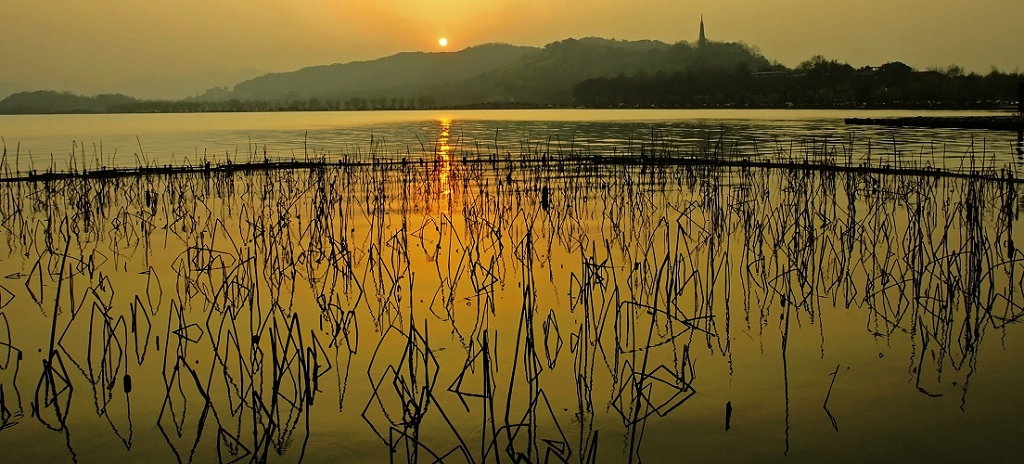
[
  {"x": 500, "y": 74},
  {"x": 548, "y": 77},
  {"x": 588, "y": 72},
  {"x": 403, "y": 75},
  {"x": 485, "y": 73},
  {"x": 49, "y": 101}
]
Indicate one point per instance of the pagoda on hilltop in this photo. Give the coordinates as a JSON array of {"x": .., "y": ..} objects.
[{"x": 702, "y": 40}]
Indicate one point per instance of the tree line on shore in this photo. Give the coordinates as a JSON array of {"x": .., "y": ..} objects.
[
  {"x": 815, "y": 83},
  {"x": 48, "y": 101}
]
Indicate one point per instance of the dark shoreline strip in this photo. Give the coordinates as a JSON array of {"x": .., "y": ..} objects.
[{"x": 1007, "y": 123}]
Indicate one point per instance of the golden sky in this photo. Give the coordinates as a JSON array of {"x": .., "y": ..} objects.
[{"x": 94, "y": 46}]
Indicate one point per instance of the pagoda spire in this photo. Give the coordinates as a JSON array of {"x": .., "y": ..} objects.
[{"x": 703, "y": 40}]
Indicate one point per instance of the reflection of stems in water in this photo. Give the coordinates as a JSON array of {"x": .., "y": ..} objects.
[
  {"x": 785, "y": 368},
  {"x": 824, "y": 405},
  {"x": 53, "y": 392},
  {"x": 914, "y": 252}
]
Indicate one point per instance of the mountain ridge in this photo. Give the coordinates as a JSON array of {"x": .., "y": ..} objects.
[
  {"x": 411, "y": 70},
  {"x": 586, "y": 72},
  {"x": 482, "y": 74}
]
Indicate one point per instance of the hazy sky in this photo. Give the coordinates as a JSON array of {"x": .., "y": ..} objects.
[{"x": 184, "y": 46}]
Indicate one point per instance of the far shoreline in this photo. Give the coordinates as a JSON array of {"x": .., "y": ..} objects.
[{"x": 908, "y": 110}]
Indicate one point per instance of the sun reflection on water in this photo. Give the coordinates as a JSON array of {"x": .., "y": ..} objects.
[{"x": 442, "y": 158}]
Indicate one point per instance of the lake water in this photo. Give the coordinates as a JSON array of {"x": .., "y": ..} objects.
[
  {"x": 63, "y": 142},
  {"x": 534, "y": 307}
]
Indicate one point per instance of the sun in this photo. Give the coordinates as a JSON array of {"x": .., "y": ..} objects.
[{"x": 443, "y": 42}]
